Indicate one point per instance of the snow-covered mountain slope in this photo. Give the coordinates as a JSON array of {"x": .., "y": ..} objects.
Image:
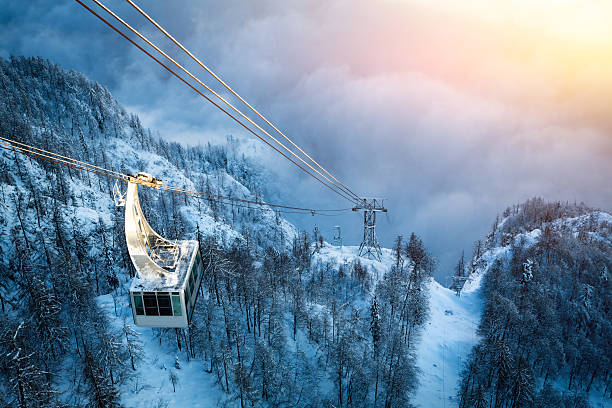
[
  {"x": 527, "y": 235},
  {"x": 61, "y": 228},
  {"x": 280, "y": 321},
  {"x": 447, "y": 339},
  {"x": 151, "y": 384},
  {"x": 64, "y": 112}
]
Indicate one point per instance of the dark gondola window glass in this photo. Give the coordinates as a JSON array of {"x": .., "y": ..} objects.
[
  {"x": 190, "y": 283},
  {"x": 150, "y": 303},
  {"x": 163, "y": 300},
  {"x": 138, "y": 304},
  {"x": 176, "y": 305},
  {"x": 198, "y": 271},
  {"x": 197, "y": 266}
]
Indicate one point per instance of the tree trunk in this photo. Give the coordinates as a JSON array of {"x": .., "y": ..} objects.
[
  {"x": 376, "y": 386},
  {"x": 240, "y": 379},
  {"x": 592, "y": 378},
  {"x": 18, "y": 205},
  {"x": 340, "y": 387},
  {"x": 178, "y": 339},
  {"x": 294, "y": 323},
  {"x": 225, "y": 370}
]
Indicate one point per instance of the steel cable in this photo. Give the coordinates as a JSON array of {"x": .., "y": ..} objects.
[
  {"x": 197, "y": 60},
  {"x": 32, "y": 151},
  {"x": 344, "y": 195},
  {"x": 178, "y": 65}
]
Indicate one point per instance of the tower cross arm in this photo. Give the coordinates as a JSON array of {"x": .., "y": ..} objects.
[{"x": 371, "y": 204}]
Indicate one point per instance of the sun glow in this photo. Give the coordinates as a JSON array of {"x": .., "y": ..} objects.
[
  {"x": 576, "y": 20},
  {"x": 544, "y": 53}
]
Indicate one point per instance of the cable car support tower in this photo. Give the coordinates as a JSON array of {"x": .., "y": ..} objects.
[{"x": 369, "y": 246}]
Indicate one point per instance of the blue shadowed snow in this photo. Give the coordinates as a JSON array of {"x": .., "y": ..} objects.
[
  {"x": 446, "y": 342},
  {"x": 150, "y": 386}
]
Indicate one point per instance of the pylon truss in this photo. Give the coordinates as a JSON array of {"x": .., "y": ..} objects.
[
  {"x": 337, "y": 240},
  {"x": 369, "y": 246}
]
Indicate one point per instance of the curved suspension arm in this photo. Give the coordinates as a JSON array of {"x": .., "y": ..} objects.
[{"x": 140, "y": 237}]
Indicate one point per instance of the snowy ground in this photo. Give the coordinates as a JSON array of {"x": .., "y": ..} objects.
[
  {"x": 151, "y": 386},
  {"x": 345, "y": 255},
  {"x": 447, "y": 340}
]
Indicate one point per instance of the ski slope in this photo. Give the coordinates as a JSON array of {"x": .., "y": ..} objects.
[
  {"x": 450, "y": 333},
  {"x": 446, "y": 342}
]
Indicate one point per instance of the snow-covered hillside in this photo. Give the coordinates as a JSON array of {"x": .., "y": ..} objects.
[
  {"x": 447, "y": 339},
  {"x": 281, "y": 319},
  {"x": 527, "y": 232},
  {"x": 61, "y": 236},
  {"x": 151, "y": 384}
]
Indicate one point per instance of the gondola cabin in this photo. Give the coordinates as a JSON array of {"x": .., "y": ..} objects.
[{"x": 165, "y": 288}]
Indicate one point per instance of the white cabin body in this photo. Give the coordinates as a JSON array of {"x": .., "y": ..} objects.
[{"x": 168, "y": 273}]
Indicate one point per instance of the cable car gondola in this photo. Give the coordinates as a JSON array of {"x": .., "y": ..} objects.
[{"x": 165, "y": 288}]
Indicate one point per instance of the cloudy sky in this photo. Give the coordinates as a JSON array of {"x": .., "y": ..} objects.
[{"x": 450, "y": 110}]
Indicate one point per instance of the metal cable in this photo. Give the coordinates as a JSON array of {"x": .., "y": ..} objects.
[
  {"x": 28, "y": 150},
  {"x": 342, "y": 194},
  {"x": 274, "y": 207},
  {"x": 14, "y": 142},
  {"x": 216, "y": 196},
  {"x": 178, "y": 65},
  {"x": 197, "y": 60},
  {"x": 31, "y": 153}
]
